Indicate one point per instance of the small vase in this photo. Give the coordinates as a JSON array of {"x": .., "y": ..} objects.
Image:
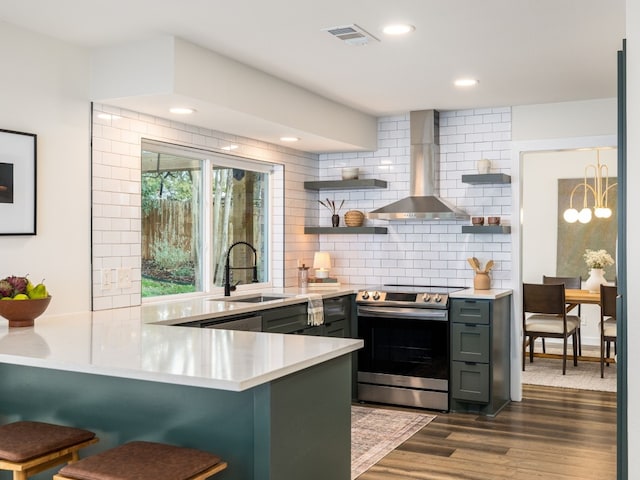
[
  {"x": 596, "y": 278},
  {"x": 335, "y": 220}
]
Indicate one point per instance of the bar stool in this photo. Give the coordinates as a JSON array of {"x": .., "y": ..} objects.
[
  {"x": 144, "y": 461},
  {"x": 27, "y": 448}
]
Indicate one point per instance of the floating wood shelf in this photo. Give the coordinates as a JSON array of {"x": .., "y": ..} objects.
[
  {"x": 345, "y": 184},
  {"x": 486, "y": 229},
  {"x": 486, "y": 178},
  {"x": 343, "y": 230}
]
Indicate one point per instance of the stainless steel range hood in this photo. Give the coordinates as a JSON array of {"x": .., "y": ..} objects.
[{"x": 422, "y": 202}]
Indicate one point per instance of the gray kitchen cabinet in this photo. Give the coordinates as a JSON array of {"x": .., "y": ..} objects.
[
  {"x": 337, "y": 318},
  {"x": 338, "y": 329},
  {"x": 289, "y": 319},
  {"x": 338, "y": 315},
  {"x": 245, "y": 321},
  {"x": 480, "y": 366}
]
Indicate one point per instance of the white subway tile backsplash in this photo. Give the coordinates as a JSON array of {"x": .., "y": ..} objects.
[{"x": 428, "y": 251}]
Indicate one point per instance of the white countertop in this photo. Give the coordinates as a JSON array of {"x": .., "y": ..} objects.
[
  {"x": 200, "y": 308},
  {"x": 491, "y": 294},
  {"x": 128, "y": 343}
]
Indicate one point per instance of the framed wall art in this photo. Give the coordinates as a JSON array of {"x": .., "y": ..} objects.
[
  {"x": 17, "y": 183},
  {"x": 575, "y": 238}
]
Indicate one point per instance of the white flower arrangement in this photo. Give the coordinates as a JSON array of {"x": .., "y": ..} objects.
[{"x": 598, "y": 258}]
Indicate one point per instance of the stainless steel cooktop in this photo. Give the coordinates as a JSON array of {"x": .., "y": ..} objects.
[{"x": 415, "y": 296}]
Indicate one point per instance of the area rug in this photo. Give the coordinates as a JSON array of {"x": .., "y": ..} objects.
[
  {"x": 376, "y": 431},
  {"x": 586, "y": 376}
]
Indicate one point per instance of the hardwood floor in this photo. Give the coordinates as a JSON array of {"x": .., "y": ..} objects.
[{"x": 553, "y": 433}]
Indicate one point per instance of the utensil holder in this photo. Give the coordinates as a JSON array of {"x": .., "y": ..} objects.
[{"x": 482, "y": 281}]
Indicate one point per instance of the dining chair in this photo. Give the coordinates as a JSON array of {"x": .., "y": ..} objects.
[
  {"x": 544, "y": 315},
  {"x": 572, "y": 283},
  {"x": 608, "y": 323}
]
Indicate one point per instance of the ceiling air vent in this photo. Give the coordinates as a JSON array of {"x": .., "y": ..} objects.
[{"x": 351, "y": 34}]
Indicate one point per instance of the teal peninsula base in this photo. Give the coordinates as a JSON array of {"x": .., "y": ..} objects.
[{"x": 292, "y": 428}]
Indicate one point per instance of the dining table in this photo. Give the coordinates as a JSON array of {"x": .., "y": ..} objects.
[{"x": 573, "y": 298}]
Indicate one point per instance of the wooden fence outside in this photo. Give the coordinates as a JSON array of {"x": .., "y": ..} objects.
[{"x": 170, "y": 222}]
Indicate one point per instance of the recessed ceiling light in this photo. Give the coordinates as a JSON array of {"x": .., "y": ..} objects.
[
  {"x": 398, "y": 29},
  {"x": 289, "y": 139},
  {"x": 465, "y": 82},
  {"x": 228, "y": 148},
  {"x": 181, "y": 110}
]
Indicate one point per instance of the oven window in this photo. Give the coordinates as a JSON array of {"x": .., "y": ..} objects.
[{"x": 409, "y": 347}]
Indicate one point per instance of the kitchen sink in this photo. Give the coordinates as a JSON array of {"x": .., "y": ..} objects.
[{"x": 254, "y": 298}]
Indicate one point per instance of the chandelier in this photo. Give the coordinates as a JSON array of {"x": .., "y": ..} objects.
[{"x": 598, "y": 188}]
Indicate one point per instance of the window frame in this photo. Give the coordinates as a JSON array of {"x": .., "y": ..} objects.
[{"x": 208, "y": 159}]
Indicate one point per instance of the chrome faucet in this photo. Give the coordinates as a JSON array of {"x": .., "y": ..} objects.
[{"x": 227, "y": 268}]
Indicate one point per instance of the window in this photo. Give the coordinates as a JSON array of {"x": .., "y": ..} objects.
[{"x": 195, "y": 206}]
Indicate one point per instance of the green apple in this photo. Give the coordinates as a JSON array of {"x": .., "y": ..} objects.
[{"x": 21, "y": 296}]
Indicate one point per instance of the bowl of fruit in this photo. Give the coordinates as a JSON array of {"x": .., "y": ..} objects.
[{"x": 21, "y": 302}]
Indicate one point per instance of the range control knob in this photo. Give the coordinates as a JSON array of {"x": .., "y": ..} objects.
[
  {"x": 426, "y": 297},
  {"x": 376, "y": 296},
  {"x": 365, "y": 295},
  {"x": 438, "y": 298}
]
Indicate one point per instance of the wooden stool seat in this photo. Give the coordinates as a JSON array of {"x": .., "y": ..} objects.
[
  {"x": 144, "y": 461},
  {"x": 27, "y": 448}
]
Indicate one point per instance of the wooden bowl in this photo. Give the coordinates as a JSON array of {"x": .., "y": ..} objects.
[
  {"x": 354, "y": 218},
  {"x": 22, "y": 313},
  {"x": 477, "y": 221},
  {"x": 493, "y": 220}
]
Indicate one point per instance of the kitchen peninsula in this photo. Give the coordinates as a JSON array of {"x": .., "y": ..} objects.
[{"x": 273, "y": 406}]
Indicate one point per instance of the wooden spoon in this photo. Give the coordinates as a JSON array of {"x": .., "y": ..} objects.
[
  {"x": 476, "y": 262},
  {"x": 473, "y": 264},
  {"x": 488, "y": 266}
]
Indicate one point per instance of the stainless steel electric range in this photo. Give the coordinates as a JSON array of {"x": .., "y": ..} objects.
[{"x": 405, "y": 359}]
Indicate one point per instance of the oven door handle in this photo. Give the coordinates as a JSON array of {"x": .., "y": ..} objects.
[{"x": 398, "y": 312}]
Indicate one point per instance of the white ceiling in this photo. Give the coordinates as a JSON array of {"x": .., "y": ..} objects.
[{"x": 522, "y": 51}]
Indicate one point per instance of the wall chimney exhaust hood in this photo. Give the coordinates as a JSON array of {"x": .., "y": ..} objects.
[{"x": 422, "y": 202}]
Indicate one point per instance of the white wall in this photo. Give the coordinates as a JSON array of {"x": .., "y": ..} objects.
[
  {"x": 633, "y": 233},
  {"x": 420, "y": 251},
  {"x": 45, "y": 91},
  {"x": 565, "y": 120}
]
